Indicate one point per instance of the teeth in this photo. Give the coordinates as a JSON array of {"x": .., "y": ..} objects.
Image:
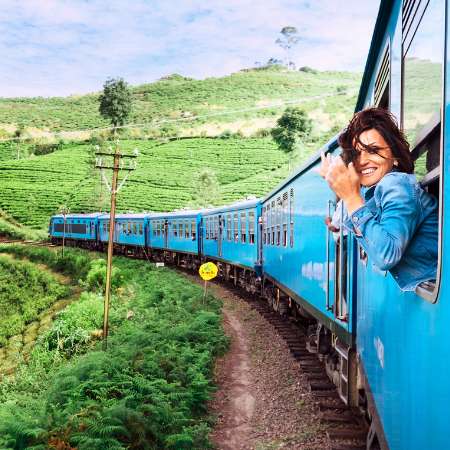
[{"x": 368, "y": 171}]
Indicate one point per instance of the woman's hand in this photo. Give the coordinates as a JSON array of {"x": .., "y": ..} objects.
[
  {"x": 344, "y": 181},
  {"x": 325, "y": 165}
]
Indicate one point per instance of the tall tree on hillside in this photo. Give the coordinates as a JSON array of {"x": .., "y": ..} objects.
[
  {"x": 292, "y": 126},
  {"x": 288, "y": 39},
  {"x": 115, "y": 102}
]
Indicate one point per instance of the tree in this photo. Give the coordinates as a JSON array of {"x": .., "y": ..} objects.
[
  {"x": 206, "y": 187},
  {"x": 115, "y": 101},
  {"x": 292, "y": 126},
  {"x": 288, "y": 39}
]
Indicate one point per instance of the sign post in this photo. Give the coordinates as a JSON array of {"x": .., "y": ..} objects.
[{"x": 207, "y": 271}]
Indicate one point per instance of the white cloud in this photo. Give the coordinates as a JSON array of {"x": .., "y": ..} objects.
[{"x": 58, "y": 47}]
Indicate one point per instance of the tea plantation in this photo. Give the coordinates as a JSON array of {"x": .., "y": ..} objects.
[
  {"x": 176, "y": 97},
  {"x": 34, "y": 188}
]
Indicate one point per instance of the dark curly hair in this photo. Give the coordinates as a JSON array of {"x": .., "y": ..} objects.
[{"x": 385, "y": 123}]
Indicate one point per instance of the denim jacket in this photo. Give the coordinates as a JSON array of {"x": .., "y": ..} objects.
[{"x": 398, "y": 228}]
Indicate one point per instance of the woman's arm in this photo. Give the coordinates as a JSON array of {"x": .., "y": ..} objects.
[{"x": 386, "y": 237}]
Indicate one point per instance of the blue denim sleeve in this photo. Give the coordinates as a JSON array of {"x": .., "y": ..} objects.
[{"x": 385, "y": 237}]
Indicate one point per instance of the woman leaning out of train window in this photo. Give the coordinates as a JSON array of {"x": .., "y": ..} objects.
[{"x": 391, "y": 216}]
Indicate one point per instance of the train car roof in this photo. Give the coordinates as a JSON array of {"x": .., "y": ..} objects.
[
  {"x": 331, "y": 145},
  {"x": 78, "y": 216},
  {"x": 240, "y": 204},
  {"x": 127, "y": 216},
  {"x": 180, "y": 214},
  {"x": 384, "y": 13}
]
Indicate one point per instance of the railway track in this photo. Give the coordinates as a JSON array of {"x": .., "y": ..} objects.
[{"x": 346, "y": 427}]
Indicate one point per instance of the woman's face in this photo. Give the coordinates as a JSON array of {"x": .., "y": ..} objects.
[{"x": 372, "y": 167}]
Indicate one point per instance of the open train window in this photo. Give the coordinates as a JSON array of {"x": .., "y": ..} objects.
[
  {"x": 251, "y": 227},
  {"x": 422, "y": 78},
  {"x": 236, "y": 227},
  {"x": 243, "y": 227},
  {"x": 194, "y": 230}
]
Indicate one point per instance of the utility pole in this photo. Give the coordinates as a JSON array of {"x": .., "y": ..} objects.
[
  {"x": 114, "y": 189},
  {"x": 64, "y": 211}
]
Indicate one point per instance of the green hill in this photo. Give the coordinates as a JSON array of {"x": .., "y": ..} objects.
[
  {"x": 234, "y": 99},
  {"x": 38, "y": 177}
]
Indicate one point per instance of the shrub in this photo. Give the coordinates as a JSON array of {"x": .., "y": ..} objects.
[{"x": 96, "y": 277}]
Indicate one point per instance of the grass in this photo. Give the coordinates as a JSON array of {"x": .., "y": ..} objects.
[{"x": 25, "y": 291}]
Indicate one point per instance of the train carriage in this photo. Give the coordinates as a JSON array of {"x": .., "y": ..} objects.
[
  {"x": 175, "y": 236},
  {"x": 82, "y": 228},
  {"x": 230, "y": 236},
  {"x": 402, "y": 337},
  {"x": 130, "y": 232},
  {"x": 309, "y": 269}
]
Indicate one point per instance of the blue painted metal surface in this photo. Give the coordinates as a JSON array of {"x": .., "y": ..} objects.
[
  {"x": 177, "y": 231},
  {"x": 230, "y": 233},
  {"x": 77, "y": 226}
]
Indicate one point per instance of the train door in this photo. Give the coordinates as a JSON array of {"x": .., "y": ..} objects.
[
  {"x": 166, "y": 234},
  {"x": 220, "y": 236},
  {"x": 339, "y": 261}
]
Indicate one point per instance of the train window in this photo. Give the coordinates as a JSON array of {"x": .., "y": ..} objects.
[
  {"x": 382, "y": 82},
  {"x": 243, "y": 227},
  {"x": 180, "y": 229},
  {"x": 285, "y": 218},
  {"x": 135, "y": 228},
  {"x": 251, "y": 227},
  {"x": 229, "y": 227},
  {"x": 175, "y": 228},
  {"x": 423, "y": 61},
  {"x": 291, "y": 216},
  {"x": 141, "y": 230},
  {"x": 263, "y": 225},
  {"x": 207, "y": 228},
  {"x": 235, "y": 227},
  {"x": 216, "y": 228},
  {"x": 186, "y": 229},
  {"x": 278, "y": 220},
  {"x": 423, "y": 56},
  {"x": 193, "y": 230},
  {"x": 129, "y": 227}
]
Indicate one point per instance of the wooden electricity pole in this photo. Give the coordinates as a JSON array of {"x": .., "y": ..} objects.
[{"x": 114, "y": 189}]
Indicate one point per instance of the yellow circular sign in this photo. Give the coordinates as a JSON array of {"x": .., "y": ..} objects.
[{"x": 208, "y": 271}]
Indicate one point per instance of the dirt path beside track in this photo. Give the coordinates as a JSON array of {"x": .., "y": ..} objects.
[{"x": 263, "y": 401}]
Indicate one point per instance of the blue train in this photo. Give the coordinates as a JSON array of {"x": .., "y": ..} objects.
[{"x": 386, "y": 350}]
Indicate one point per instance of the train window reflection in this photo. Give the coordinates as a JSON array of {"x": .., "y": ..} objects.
[{"x": 422, "y": 80}]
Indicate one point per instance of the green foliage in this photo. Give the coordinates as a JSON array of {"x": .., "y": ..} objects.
[
  {"x": 21, "y": 301},
  {"x": 96, "y": 277},
  {"x": 75, "y": 262},
  {"x": 73, "y": 327},
  {"x": 115, "y": 101},
  {"x": 34, "y": 189},
  {"x": 148, "y": 391},
  {"x": 294, "y": 124}
]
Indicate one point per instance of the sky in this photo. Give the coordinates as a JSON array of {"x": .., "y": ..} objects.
[{"x": 70, "y": 47}]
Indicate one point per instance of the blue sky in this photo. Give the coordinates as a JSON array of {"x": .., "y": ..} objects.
[{"x": 62, "y": 47}]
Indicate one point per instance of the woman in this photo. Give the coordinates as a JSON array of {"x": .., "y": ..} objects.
[{"x": 391, "y": 216}]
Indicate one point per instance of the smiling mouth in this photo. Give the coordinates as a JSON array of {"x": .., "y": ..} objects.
[{"x": 368, "y": 171}]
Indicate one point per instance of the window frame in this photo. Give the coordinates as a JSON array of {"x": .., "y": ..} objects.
[{"x": 426, "y": 294}]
